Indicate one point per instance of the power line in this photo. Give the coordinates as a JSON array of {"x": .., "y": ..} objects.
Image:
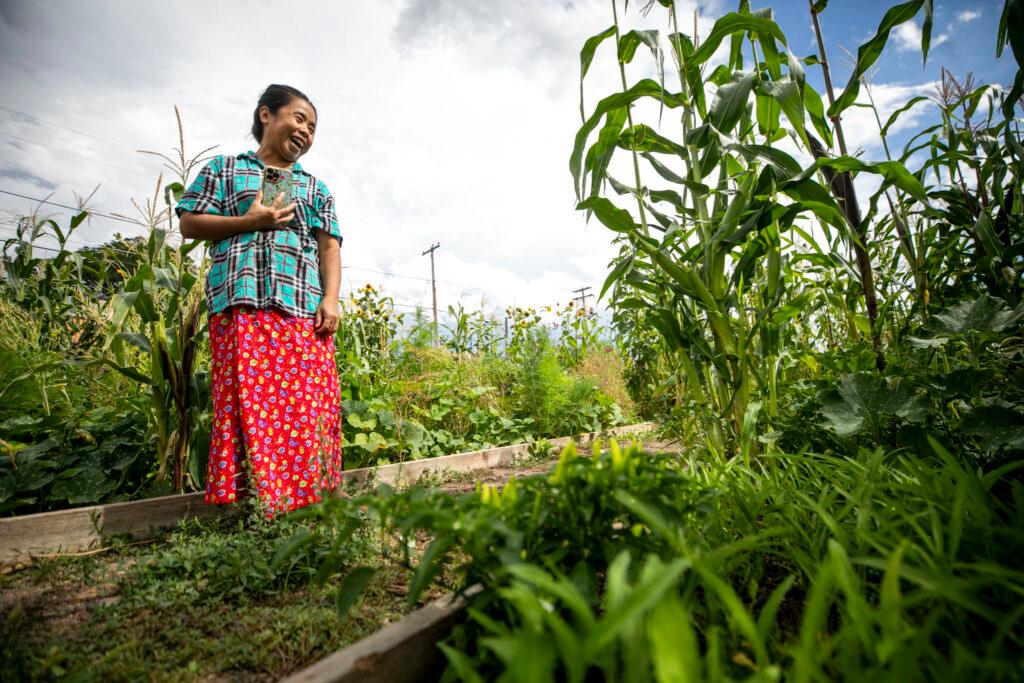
[
  {"x": 38, "y": 132},
  {"x": 382, "y": 272},
  {"x": 77, "y": 156},
  {"x": 57, "y": 125},
  {"x": 136, "y": 223},
  {"x": 518, "y": 270},
  {"x": 413, "y": 306},
  {"x": 72, "y": 208}
]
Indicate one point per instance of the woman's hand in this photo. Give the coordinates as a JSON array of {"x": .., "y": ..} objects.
[
  {"x": 271, "y": 217},
  {"x": 325, "y": 321}
]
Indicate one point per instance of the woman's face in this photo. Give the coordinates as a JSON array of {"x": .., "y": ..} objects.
[{"x": 290, "y": 131}]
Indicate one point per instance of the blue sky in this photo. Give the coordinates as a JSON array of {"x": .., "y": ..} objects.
[
  {"x": 963, "y": 40},
  {"x": 444, "y": 121}
]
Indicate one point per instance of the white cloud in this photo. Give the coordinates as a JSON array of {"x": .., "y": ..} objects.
[
  {"x": 859, "y": 123},
  {"x": 907, "y": 37},
  {"x": 438, "y": 122},
  {"x": 967, "y": 15}
]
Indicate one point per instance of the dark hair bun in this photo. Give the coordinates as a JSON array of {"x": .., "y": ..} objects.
[{"x": 273, "y": 98}]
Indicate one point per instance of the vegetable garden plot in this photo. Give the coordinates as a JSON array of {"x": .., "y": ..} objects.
[
  {"x": 71, "y": 530},
  {"x": 215, "y": 590},
  {"x": 633, "y": 565},
  {"x": 204, "y": 600}
]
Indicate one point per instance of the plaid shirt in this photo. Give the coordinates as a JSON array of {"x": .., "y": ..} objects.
[{"x": 263, "y": 268}]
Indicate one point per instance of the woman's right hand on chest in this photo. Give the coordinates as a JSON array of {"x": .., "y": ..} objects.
[{"x": 271, "y": 217}]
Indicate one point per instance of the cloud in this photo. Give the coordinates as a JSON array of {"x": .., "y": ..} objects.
[
  {"x": 907, "y": 37},
  {"x": 101, "y": 43},
  {"x": 19, "y": 173},
  {"x": 458, "y": 136},
  {"x": 967, "y": 15},
  {"x": 861, "y": 127}
]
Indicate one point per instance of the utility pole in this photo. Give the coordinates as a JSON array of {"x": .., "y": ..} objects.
[
  {"x": 582, "y": 291},
  {"x": 582, "y": 298},
  {"x": 433, "y": 285}
]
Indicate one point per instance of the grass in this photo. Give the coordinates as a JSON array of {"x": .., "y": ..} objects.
[{"x": 205, "y": 600}]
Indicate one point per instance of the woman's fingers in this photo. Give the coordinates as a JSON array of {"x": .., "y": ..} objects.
[
  {"x": 325, "y": 323},
  {"x": 285, "y": 215}
]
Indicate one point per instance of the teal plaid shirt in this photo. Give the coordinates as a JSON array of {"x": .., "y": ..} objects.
[{"x": 267, "y": 267}]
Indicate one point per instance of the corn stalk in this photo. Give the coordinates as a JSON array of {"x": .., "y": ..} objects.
[{"x": 706, "y": 256}]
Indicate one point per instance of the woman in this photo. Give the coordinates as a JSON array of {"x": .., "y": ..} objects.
[{"x": 272, "y": 294}]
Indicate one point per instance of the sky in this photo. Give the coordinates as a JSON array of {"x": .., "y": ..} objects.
[{"x": 440, "y": 121}]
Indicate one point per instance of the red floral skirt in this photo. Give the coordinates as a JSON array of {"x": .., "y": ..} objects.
[{"x": 276, "y": 410}]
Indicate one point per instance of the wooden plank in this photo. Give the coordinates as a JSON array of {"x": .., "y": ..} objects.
[
  {"x": 87, "y": 527},
  {"x": 403, "y": 652}
]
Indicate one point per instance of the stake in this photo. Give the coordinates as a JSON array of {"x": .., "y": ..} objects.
[{"x": 433, "y": 285}]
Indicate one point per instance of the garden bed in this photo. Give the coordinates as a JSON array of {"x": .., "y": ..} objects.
[
  {"x": 88, "y": 527},
  {"x": 120, "y": 617},
  {"x": 199, "y": 603}
]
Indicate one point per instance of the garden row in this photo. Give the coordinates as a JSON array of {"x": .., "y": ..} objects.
[
  {"x": 104, "y": 374},
  {"x": 226, "y": 595}
]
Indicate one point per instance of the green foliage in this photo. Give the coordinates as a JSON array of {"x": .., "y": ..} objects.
[
  {"x": 52, "y": 290},
  {"x": 864, "y": 402},
  {"x": 159, "y": 311},
  {"x": 407, "y": 400},
  {"x": 803, "y": 565},
  {"x": 217, "y": 596},
  {"x": 579, "y": 333},
  {"x": 239, "y": 559},
  {"x": 720, "y": 258},
  {"x": 51, "y": 463},
  {"x": 471, "y": 332}
]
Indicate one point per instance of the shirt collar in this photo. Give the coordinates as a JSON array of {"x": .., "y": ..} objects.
[{"x": 256, "y": 157}]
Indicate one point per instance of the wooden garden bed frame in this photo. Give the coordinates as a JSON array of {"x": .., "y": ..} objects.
[
  {"x": 80, "y": 529},
  {"x": 403, "y": 652}
]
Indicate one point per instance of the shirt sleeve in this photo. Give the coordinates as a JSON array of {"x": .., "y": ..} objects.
[
  {"x": 326, "y": 218},
  {"x": 206, "y": 193}
]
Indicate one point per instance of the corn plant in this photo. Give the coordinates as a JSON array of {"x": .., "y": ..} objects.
[
  {"x": 708, "y": 254},
  {"x": 52, "y": 285},
  {"x": 470, "y": 331},
  {"x": 161, "y": 312}
]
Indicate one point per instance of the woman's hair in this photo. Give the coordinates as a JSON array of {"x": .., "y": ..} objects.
[{"x": 273, "y": 98}]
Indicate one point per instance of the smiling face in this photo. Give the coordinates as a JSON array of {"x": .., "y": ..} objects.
[{"x": 288, "y": 133}]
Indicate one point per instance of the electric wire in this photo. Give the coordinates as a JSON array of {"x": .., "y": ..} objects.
[
  {"x": 138, "y": 224},
  {"x": 71, "y": 208},
  {"x": 72, "y": 130},
  {"x": 76, "y": 156}
]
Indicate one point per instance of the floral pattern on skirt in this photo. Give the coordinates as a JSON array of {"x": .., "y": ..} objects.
[{"x": 277, "y": 410}]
